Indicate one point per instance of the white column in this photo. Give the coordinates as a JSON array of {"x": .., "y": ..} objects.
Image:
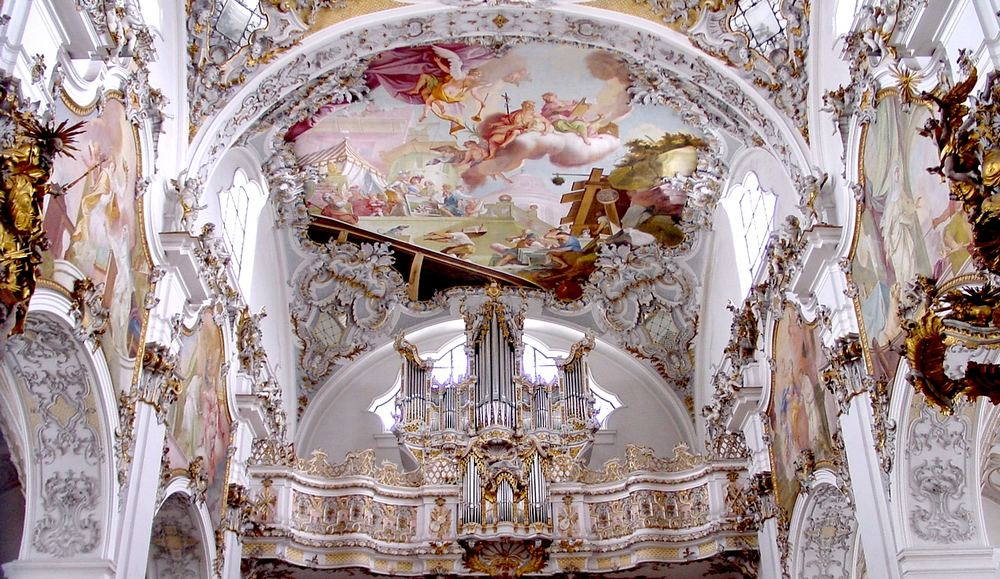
[
  {"x": 140, "y": 498},
  {"x": 770, "y": 556},
  {"x": 767, "y": 534},
  {"x": 870, "y": 497},
  {"x": 233, "y": 552}
]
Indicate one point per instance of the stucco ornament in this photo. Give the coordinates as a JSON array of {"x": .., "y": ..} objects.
[
  {"x": 174, "y": 545},
  {"x": 828, "y": 535},
  {"x": 48, "y": 361},
  {"x": 346, "y": 300},
  {"x": 68, "y": 527},
  {"x": 938, "y": 454}
]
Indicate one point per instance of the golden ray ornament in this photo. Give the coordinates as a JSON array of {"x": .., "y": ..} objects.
[{"x": 29, "y": 147}]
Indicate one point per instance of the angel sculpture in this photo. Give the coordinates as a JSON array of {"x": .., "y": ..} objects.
[
  {"x": 953, "y": 133},
  {"x": 451, "y": 84}
]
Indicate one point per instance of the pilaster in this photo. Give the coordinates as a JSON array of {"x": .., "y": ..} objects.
[
  {"x": 140, "y": 502},
  {"x": 871, "y": 496},
  {"x": 847, "y": 379},
  {"x": 140, "y": 449}
]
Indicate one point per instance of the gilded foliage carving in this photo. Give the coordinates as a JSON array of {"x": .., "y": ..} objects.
[
  {"x": 968, "y": 143},
  {"x": 640, "y": 459},
  {"x": 28, "y": 148}
]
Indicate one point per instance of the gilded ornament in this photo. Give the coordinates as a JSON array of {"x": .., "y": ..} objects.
[
  {"x": 969, "y": 151},
  {"x": 968, "y": 314},
  {"x": 30, "y": 147}
]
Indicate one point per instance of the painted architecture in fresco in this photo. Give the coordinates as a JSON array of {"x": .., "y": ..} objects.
[
  {"x": 525, "y": 163},
  {"x": 909, "y": 226}
]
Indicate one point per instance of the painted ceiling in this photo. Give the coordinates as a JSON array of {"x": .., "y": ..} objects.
[{"x": 520, "y": 163}]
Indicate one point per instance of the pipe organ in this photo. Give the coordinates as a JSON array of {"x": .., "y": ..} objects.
[{"x": 502, "y": 427}]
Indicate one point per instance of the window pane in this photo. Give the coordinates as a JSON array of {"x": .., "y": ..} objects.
[{"x": 755, "y": 213}]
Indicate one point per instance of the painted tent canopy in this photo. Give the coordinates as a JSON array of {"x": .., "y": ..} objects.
[{"x": 518, "y": 166}]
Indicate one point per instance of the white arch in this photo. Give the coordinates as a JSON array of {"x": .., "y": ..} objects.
[
  {"x": 83, "y": 460},
  {"x": 351, "y": 390},
  {"x": 180, "y": 488},
  {"x": 823, "y": 530}
]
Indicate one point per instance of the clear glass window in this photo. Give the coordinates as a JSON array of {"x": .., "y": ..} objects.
[
  {"x": 604, "y": 403},
  {"x": 751, "y": 212},
  {"x": 538, "y": 366},
  {"x": 237, "y": 204},
  {"x": 762, "y": 22},
  {"x": 385, "y": 406},
  {"x": 452, "y": 365}
]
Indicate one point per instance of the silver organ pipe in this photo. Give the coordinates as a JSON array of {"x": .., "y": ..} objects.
[
  {"x": 496, "y": 364},
  {"x": 536, "y": 492},
  {"x": 576, "y": 391},
  {"x": 472, "y": 494},
  {"x": 496, "y": 418}
]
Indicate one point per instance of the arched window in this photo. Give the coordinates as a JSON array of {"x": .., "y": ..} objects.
[
  {"x": 751, "y": 213},
  {"x": 844, "y": 17},
  {"x": 451, "y": 365},
  {"x": 537, "y": 365},
  {"x": 240, "y": 205}
]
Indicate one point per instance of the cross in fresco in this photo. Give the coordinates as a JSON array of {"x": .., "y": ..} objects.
[{"x": 591, "y": 199}]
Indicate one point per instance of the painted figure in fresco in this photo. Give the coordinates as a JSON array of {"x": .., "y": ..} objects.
[
  {"x": 437, "y": 76},
  {"x": 503, "y": 130},
  {"x": 567, "y": 244},
  {"x": 201, "y": 427},
  {"x": 567, "y": 116},
  {"x": 461, "y": 246},
  {"x": 472, "y": 154},
  {"x": 508, "y": 254},
  {"x": 451, "y": 84},
  {"x": 97, "y": 206},
  {"x": 338, "y": 206}
]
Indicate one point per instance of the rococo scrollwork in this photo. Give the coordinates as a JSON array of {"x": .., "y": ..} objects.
[{"x": 956, "y": 317}]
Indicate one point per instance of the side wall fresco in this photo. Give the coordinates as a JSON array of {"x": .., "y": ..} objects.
[
  {"x": 96, "y": 226},
  {"x": 908, "y": 227}
]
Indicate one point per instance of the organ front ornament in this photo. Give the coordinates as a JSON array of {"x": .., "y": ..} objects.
[{"x": 501, "y": 428}]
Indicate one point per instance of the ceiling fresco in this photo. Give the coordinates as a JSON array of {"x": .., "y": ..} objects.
[{"x": 522, "y": 163}]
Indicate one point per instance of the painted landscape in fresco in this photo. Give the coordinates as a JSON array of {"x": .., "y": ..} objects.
[
  {"x": 803, "y": 414},
  {"x": 200, "y": 425},
  {"x": 95, "y": 225},
  {"x": 524, "y": 162},
  {"x": 909, "y": 226}
]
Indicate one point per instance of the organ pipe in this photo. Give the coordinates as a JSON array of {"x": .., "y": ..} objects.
[{"x": 492, "y": 414}]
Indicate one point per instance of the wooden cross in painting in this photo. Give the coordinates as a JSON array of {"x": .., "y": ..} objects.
[{"x": 591, "y": 199}]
